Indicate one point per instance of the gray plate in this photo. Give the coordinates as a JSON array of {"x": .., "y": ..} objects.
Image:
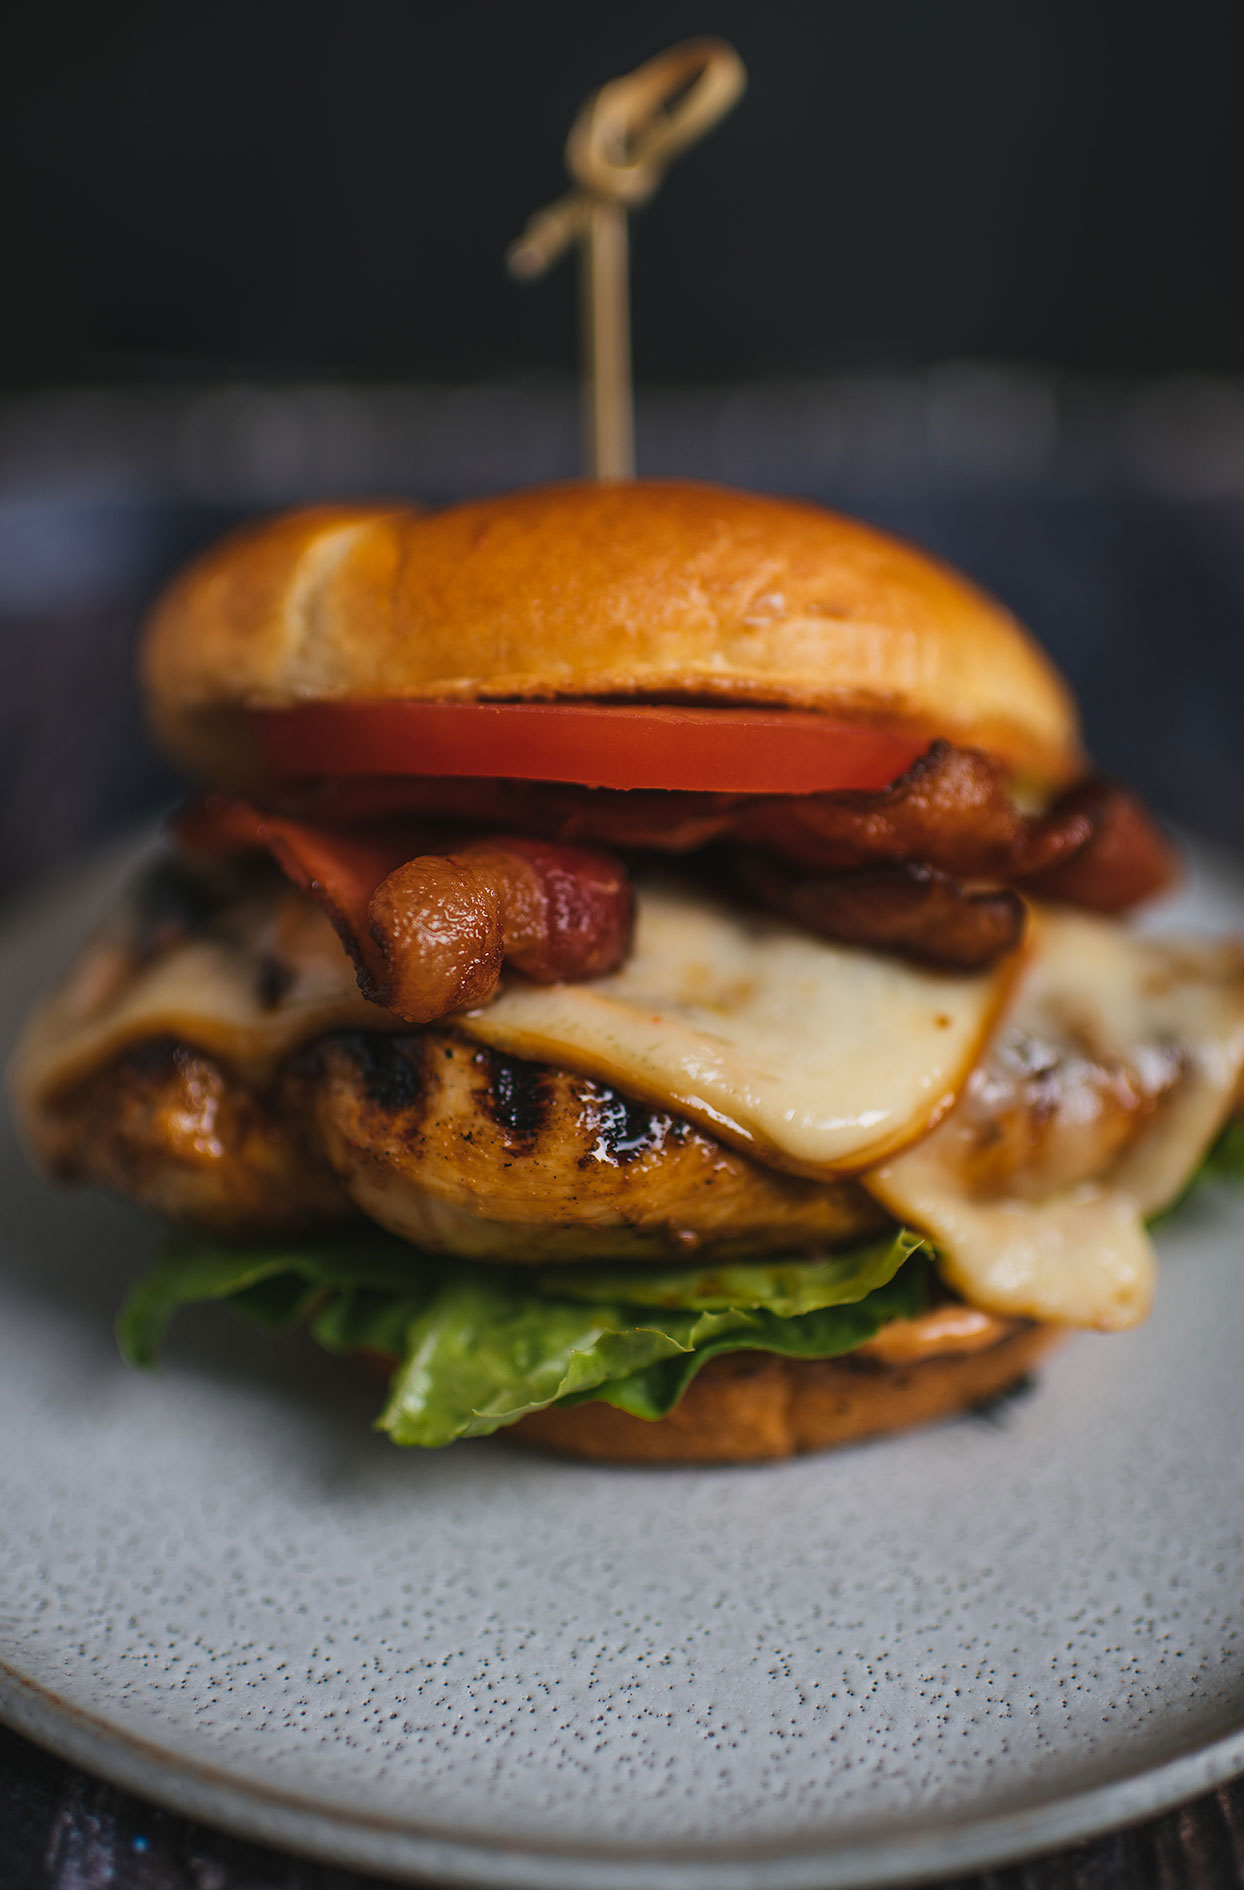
[{"x": 220, "y": 1589}]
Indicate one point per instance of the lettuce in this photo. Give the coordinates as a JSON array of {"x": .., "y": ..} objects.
[
  {"x": 355, "y": 1295},
  {"x": 1223, "y": 1162},
  {"x": 785, "y": 1287},
  {"x": 480, "y": 1346}
]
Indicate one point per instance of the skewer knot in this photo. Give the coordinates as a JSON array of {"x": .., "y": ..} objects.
[{"x": 624, "y": 138}]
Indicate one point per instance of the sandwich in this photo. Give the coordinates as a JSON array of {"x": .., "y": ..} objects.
[{"x": 646, "y": 967}]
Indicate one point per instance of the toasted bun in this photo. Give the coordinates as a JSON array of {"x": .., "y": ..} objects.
[
  {"x": 751, "y": 1407},
  {"x": 640, "y": 590}
]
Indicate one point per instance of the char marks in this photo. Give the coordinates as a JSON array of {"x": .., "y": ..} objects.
[
  {"x": 624, "y": 1129},
  {"x": 390, "y": 1069},
  {"x": 516, "y": 1094},
  {"x": 509, "y": 1159}
]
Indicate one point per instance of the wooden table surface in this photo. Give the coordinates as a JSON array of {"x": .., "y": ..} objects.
[{"x": 1113, "y": 522}]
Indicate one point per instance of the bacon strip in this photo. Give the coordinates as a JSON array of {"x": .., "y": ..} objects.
[
  {"x": 1123, "y": 861},
  {"x": 913, "y": 910},
  {"x": 953, "y": 810},
  {"x": 657, "y": 820},
  {"x": 442, "y": 924},
  {"x": 429, "y": 932}
]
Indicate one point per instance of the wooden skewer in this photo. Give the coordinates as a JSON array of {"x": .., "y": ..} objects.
[
  {"x": 619, "y": 147},
  {"x": 605, "y": 312}
]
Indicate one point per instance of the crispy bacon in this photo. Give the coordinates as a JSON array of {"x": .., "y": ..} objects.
[
  {"x": 1123, "y": 860},
  {"x": 953, "y": 811},
  {"x": 430, "y": 913},
  {"x": 429, "y": 931},
  {"x": 906, "y": 908},
  {"x": 442, "y": 924},
  {"x": 654, "y": 819}
]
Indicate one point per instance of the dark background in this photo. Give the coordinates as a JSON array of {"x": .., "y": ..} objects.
[
  {"x": 973, "y": 270},
  {"x": 202, "y": 188}
]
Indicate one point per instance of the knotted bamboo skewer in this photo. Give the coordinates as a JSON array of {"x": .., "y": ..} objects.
[{"x": 619, "y": 147}]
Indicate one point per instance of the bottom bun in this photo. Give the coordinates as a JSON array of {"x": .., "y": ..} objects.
[{"x": 752, "y": 1407}]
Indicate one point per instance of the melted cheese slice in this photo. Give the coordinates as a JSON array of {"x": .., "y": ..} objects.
[
  {"x": 217, "y": 993},
  {"x": 1081, "y": 1255},
  {"x": 818, "y": 1058}
]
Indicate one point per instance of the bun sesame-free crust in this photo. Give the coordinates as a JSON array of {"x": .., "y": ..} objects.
[
  {"x": 754, "y": 1407},
  {"x": 650, "y": 590}
]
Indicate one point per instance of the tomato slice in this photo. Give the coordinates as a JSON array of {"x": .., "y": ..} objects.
[{"x": 592, "y": 744}]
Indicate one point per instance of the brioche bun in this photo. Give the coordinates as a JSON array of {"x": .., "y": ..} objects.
[
  {"x": 645, "y": 590},
  {"x": 753, "y": 1407}
]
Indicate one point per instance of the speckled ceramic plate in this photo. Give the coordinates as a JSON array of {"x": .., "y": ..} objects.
[{"x": 220, "y": 1589}]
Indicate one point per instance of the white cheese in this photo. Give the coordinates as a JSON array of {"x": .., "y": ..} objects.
[
  {"x": 1078, "y": 1258},
  {"x": 214, "y": 992},
  {"x": 1172, "y": 1011},
  {"x": 818, "y": 1058}
]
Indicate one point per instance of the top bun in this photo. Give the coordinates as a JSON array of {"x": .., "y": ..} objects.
[{"x": 650, "y": 590}]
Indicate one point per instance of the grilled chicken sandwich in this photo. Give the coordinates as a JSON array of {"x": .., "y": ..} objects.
[{"x": 645, "y": 964}]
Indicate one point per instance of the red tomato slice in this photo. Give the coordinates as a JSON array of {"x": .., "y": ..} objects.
[{"x": 592, "y": 744}]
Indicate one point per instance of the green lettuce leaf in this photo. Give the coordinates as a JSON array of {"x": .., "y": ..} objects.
[
  {"x": 786, "y": 1287},
  {"x": 480, "y": 1346},
  {"x": 486, "y": 1352},
  {"x": 1224, "y": 1162},
  {"x": 828, "y": 1333},
  {"x": 354, "y": 1293}
]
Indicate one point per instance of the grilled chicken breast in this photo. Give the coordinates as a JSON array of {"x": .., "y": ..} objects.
[
  {"x": 463, "y": 1150},
  {"x": 164, "y": 1125},
  {"x": 460, "y": 1149},
  {"x": 454, "y": 1147}
]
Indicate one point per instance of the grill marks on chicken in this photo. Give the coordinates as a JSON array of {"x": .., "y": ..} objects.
[
  {"x": 459, "y": 1149},
  {"x": 1045, "y": 1112},
  {"x": 454, "y": 1147}
]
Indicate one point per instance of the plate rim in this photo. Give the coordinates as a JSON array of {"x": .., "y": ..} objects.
[{"x": 404, "y": 1851}]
